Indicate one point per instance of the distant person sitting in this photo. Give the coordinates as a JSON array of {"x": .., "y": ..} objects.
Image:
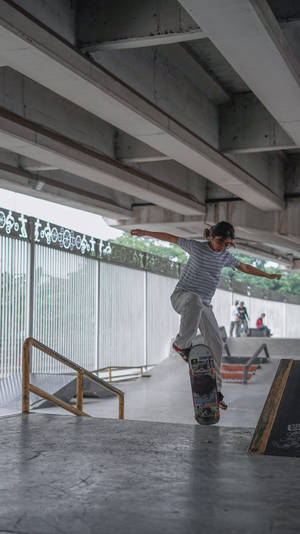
[
  {"x": 243, "y": 319},
  {"x": 234, "y": 323},
  {"x": 260, "y": 324}
]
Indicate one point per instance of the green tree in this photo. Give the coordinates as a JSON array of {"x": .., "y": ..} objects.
[
  {"x": 153, "y": 246},
  {"x": 289, "y": 282}
]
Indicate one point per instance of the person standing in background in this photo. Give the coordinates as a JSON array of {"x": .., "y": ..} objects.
[
  {"x": 243, "y": 318},
  {"x": 234, "y": 323}
]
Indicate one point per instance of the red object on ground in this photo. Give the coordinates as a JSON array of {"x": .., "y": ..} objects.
[
  {"x": 237, "y": 367},
  {"x": 235, "y": 376},
  {"x": 235, "y": 372}
]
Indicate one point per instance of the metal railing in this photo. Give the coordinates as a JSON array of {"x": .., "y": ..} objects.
[
  {"x": 27, "y": 387},
  {"x": 254, "y": 358},
  {"x": 110, "y": 368}
]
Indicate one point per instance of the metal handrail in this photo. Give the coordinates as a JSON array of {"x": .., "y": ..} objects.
[
  {"x": 110, "y": 368},
  {"x": 263, "y": 347},
  {"x": 27, "y": 387}
]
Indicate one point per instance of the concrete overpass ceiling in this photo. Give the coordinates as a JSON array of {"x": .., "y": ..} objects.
[
  {"x": 285, "y": 10},
  {"x": 156, "y": 116},
  {"x": 217, "y": 66},
  {"x": 42, "y": 56},
  {"x": 249, "y": 36}
]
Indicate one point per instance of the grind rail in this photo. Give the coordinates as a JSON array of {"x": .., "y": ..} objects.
[
  {"x": 27, "y": 387},
  {"x": 111, "y": 368}
]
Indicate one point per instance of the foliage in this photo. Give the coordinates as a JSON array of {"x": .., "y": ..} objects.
[
  {"x": 153, "y": 246},
  {"x": 289, "y": 282}
]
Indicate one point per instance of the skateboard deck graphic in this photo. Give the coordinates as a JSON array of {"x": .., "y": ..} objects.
[{"x": 203, "y": 383}]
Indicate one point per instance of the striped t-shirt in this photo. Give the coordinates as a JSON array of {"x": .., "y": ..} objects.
[{"x": 202, "y": 272}]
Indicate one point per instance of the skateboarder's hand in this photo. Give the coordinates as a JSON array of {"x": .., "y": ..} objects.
[
  {"x": 138, "y": 232},
  {"x": 276, "y": 276}
]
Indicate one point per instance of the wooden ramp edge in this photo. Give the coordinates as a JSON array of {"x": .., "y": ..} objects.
[{"x": 270, "y": 409}]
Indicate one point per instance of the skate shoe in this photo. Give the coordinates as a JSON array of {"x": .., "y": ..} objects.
[
  {"x": 184, "y": 353},
  {"x": 221, "y": 402}
]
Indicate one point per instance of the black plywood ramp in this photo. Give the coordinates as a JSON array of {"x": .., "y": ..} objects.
[{"x": 278, "y": 429}]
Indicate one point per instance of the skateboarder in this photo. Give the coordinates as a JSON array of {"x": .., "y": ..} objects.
[{"x": 197, "y": 285}]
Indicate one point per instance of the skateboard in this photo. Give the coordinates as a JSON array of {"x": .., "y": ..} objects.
[{"x": 203, "y": 383}]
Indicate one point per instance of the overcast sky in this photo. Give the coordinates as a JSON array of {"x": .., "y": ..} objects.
[{"x": 79, "y": 220}]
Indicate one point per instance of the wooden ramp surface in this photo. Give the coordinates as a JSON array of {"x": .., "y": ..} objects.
[{"x": 278, "y": 429}]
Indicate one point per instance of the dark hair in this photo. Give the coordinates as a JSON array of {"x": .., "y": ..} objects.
[
  {"x": 221, "y": 229},
  {"x": 236, "y": 302}
]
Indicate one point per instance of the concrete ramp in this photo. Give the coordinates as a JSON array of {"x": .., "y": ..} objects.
[
  {"x": 62, "y": 386},
  {"x": 278, "y": 429}
]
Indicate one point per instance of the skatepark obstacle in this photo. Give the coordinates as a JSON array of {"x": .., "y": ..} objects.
[
  {"x": 28, "y": 387},
  {"x": 247, "y": 363},
  {"x": 278, "y": 430}
]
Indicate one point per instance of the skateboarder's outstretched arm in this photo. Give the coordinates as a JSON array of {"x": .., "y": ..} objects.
[
  {"x": 249, "y": 269},
  {"x": 156, "y": 235}
]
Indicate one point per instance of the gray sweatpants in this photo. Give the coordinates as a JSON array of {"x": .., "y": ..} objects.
[{"x": 195, "y": 314}]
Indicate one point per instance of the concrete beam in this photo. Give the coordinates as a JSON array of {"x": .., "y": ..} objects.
[
  {"x": 279, "y": 231},
  {"x": 143, "y": 42},
  {"x": 251, "y": 238},
  {"x": 58, "y": 15},
  {"x": 199, "y": 75},
  {"x": 287, "y": 10},
  {"x": 31, "y": 165},
  {"x": 133, "y": 25},
  {"x": 170, "y": 172},
  {"x": 156, "y": 219},
  {"x": 164, "y": 76},
  {"x": 31, "y": 140},
  {"x": 293, "y": 176},
  {"x": 250, "y": 38},
  {"x": 131, "y": 150},
  {"x": 30, "y": 49},
  {"x": 270, "y": 166},
  {"x": 291, "y": 30},
  {"x": 55, "y": 190},
  {"x": 247, "y": 127},
  {"x": 34, "y": 102}
]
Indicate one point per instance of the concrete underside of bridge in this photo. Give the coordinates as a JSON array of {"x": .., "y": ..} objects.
[
  {"x": 66, "y": 474},
  {"x": 157, "y": 114}
]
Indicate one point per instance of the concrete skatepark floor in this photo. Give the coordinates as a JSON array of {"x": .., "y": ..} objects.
[
  {"x": 66, "y": 474},
  {"x": 62, "y": 474}
]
